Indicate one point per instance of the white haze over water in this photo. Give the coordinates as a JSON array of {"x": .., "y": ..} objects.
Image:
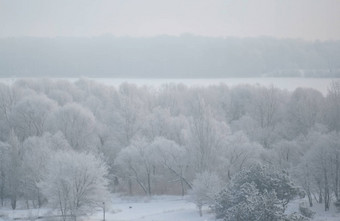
[{"x": 290, "y": 84}]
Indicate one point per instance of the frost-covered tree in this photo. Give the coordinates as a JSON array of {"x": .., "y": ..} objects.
[
  {"x": 172, "y": 97},
  {"x": 205, "y": 137},
  {"x": 77, "y": 125},
  {"x": 305, "y": 177},
  {"x": 174, "y": 158},
  {"x": 237, "y": 152},
  {"x": 136, "y": 163},
  {"x": 4, "y": 163},
  {"x": 322, "y": 164},
  {"x": 333, "y": 106},
  {"x": 205, "y": 187},
  {"x": 37, "y": 151},
  {"x": 60, "y": 96},
  {"x": 240, "y": 100},
  {"x": 265, "y": 110},
  {"x": 75, "y": 183},
  {"x": 304, "y": 110},
  {"x": 159, "y": 123},
  {"x": 8, "y": 99},
  {"x": 285, "y": 154},
  {"x": 14, "y": 168},
  {"x": 128, "y": 118},
  {"x": 29, "y": 115}
]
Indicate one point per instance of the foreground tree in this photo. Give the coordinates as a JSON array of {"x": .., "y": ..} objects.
[
  {"x": 258, "y": 193},
  {"x": 37, "y": 152},
  {"x": 247, "y": 203},
  {"x": 75, "y": 183}
]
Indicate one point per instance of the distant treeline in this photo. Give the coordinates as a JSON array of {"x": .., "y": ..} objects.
[{"x": 168, "y": 57}]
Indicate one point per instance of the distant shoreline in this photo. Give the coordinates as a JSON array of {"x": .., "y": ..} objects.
[{"x": 168, "y": 57}]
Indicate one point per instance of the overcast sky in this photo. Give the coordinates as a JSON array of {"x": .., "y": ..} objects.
[{"x": 306, "y": 19}]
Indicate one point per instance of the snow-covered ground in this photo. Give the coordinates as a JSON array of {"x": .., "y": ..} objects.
[
  {"x": 161, "y": 208},
  {"x": 157, "y": 208},
  {"x": 7, "y": 214},
  {"x": 320, "y": 214}
]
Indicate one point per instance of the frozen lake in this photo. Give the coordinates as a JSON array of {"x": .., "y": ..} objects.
[{"x": 289, "y": 84}]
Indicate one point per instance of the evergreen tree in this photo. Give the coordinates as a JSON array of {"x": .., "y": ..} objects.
[{"x": 258, "y": 193}]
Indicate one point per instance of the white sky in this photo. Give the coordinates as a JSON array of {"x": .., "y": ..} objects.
[{"x": 306, "y": 19}]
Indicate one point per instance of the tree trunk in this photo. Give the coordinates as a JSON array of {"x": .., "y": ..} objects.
[
  {"x": 149, "y": 184},
  {"x": 229, "y": 175},
  {"x": 200, "y": 210},
  {"x": 14, "y": 201},
  {"x": 326, "y": 197},
  {"x": 130, "y": 186},
  {"x": 39, "y": 199},
  {"x": 2, "y": 188},
  {"x": 27, "y": 204},
  {"x": 180, "y": 176},
  {"x": 337, "y": 176},
  {"x": 182, "y": 186},
  {"x": 310, "y": 200},
  {"x": 320, "y": 200},
  {"x": 2, "y": 195}
]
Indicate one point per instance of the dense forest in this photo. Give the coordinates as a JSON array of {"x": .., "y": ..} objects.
[
  {"x": 186, "y": 56},
  {"x": 167, "y": 140}
]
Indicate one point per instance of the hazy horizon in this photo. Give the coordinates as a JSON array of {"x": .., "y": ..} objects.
[
  {"x": 190, "y": 35},
  {"x": 305, "y": 19}
]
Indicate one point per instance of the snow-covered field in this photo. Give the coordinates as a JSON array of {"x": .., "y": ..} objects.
[{"x": 157, "y": 208}]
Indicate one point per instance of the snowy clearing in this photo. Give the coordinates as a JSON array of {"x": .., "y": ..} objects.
[{"x": 160, "y": 208}]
